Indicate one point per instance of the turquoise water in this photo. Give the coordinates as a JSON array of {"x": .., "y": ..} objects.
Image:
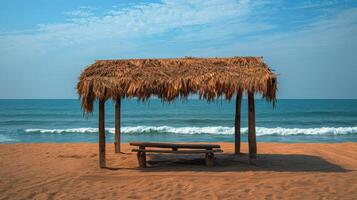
[{"x": 29, "y": 121}]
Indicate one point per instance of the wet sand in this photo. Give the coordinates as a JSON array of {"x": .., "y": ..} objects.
[{"x": 284, "y": 171}]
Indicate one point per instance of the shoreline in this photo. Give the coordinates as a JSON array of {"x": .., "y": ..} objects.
[
  {"x": 111, "y": 142},
  {"x": 284, "y": 170}
]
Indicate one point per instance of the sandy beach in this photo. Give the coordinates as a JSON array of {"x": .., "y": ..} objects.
[{"x": 70, "y": 171}]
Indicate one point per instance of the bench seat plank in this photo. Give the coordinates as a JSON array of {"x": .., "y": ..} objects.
[
  {"x": 208, "y": 149},
  {"x": 175, "y": 145},
  {"x": 178, "y": 151}
]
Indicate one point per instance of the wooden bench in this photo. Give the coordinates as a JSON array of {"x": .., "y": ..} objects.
[{"x": 207, "y": 149}]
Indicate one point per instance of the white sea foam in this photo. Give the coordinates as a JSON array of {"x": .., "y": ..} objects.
[
  {"x": 217, "y": 130},
  {"x": 69, "y": 130},
  {"x": 4, "y": 139}
]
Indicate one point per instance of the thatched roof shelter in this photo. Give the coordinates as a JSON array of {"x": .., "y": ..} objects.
[
  {"x": 177, "y": 77},
  {"x": 174, "y": 78}
]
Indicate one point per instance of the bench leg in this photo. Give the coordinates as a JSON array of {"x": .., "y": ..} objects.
[
  {"x": 209, "y": 159},
  {"x": 141, "y": 159}
]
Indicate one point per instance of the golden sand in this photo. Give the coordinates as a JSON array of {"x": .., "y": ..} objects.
[{"x": 284, "y": 171}]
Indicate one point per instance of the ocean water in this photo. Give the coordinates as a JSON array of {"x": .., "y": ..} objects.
[{"x": 193, "y": 120}]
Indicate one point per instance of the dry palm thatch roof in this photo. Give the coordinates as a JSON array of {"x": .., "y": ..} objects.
[{"x": 177, "y": 77}]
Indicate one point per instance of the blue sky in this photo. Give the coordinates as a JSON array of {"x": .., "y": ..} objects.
[{"x": 44, "y": 45}]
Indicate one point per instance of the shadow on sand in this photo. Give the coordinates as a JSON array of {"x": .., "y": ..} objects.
[{"x": 231, "y": 162}]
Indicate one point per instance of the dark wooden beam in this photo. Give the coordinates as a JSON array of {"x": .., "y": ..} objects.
[
  {"x": 117, "y": 126},
  {"x": 251, "y": 129},
  {"x": 101, "y": 134},
  {"x": 237, "y": 123}
]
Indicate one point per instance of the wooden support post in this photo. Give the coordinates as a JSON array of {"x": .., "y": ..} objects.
[
  {"x": 101, "y": 134},
  {"x": 117, "y": 126},
  {"x": 251, "y": 129},
  {"x": 237, "y": 123},
  {"x": 209, "y": 159},
  {"x": 141, "y": 157}
]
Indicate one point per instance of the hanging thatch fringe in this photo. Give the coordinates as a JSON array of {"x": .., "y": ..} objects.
[{"x": 173, "y": 78}]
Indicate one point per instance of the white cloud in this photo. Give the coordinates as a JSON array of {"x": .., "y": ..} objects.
[
  {"x": 320, "y": 4},
  {"x": 83, "y": 11},
  {"x": 142, "y": 20}
]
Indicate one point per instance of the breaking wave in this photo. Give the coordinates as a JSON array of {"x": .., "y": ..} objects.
[{"x": 215, "y": 130}]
